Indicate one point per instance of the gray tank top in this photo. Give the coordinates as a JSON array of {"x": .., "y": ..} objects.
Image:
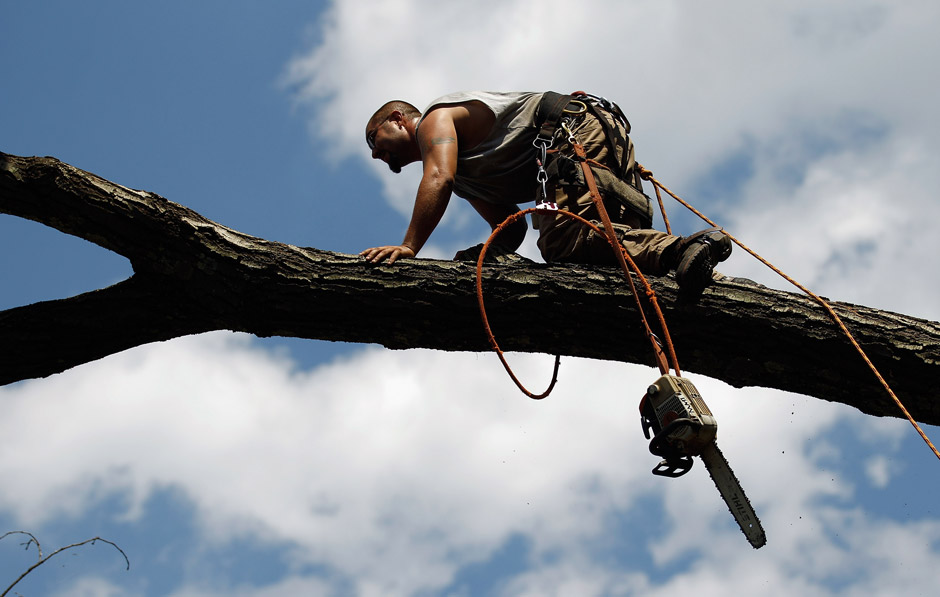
[{"x": 501, "y": 169}]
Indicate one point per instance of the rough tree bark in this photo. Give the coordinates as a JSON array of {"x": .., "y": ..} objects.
[{"x": 192, "y": 275}]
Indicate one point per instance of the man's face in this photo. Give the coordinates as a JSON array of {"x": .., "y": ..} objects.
[{"x": 386, "y": 141}]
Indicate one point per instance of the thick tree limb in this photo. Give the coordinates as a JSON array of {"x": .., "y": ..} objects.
[{"x": 193, "y": 275}]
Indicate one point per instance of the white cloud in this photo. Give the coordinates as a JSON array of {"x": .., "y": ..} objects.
[
  {"x": 878, "y": 470},
  {"x": 849, "y": 230},
  {"x": 399, "y": 468},
  {"x": 426, "y": 447}
]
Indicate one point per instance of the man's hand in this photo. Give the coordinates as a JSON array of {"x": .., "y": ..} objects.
[{"x": 392, "y": 252}]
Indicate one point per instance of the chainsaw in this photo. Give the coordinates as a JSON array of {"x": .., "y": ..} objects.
[{"x": 682, "y": 426}]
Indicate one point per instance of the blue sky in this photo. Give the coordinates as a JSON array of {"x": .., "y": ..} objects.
[{"x": 227, "y": 465}]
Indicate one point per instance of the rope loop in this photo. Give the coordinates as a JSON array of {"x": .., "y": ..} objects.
[
  {"x": 486, "y": 323},
  {"x": 488, "y": 329}
]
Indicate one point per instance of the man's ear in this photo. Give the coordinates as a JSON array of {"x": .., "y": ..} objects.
[{"x": 396, "y": 116}]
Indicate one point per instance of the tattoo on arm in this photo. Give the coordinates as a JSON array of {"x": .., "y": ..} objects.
[{"x": 443, "y": 140}]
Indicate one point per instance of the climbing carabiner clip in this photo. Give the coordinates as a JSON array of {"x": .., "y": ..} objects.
[
  {"x": 541, "y": 177},
  {"x": 571, "y": 139}
]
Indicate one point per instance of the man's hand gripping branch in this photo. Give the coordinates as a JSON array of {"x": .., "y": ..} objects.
[{"x": 391, "y": 252}]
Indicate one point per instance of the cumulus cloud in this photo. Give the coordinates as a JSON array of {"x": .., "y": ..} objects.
[
  {"x": 851, "y": 230},
  {"x": 399, "y": 469},
  {"x": 425, "y": 449}
]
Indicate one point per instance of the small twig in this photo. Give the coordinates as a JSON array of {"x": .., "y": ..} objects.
[
  {"x": 32, "y": 539},
  {"x": 42, "y": 560}
]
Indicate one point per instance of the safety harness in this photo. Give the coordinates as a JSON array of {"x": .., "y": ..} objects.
[
  {"x": 559, "y": 168},
  {"x": 554, "y": 117}
]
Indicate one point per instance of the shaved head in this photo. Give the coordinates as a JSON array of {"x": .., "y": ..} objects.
[{"x": 382, "y": 114}]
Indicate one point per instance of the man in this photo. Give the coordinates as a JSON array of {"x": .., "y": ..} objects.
[{"x": 480, "y": 145}]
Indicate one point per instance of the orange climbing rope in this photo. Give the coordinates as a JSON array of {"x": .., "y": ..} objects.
[
  {"x": 648, "y": 175},
  {"x": 630, "y": 264}
]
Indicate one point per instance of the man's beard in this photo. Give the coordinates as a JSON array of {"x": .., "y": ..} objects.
[{"x": 394, "y": 164}]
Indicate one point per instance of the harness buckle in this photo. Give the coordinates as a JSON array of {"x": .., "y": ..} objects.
[
  {"x": 542, "y": 143},
  {"x": 581, "y": 108}
]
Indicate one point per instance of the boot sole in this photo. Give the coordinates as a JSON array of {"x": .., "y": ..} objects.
[{"x": 695, "y": 269}]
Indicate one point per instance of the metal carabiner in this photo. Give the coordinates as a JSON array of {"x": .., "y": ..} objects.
[
  {"x": 542, "y": 144},
  {"x": 571, "y": 139},
  {"x": 542, "y": 178}
]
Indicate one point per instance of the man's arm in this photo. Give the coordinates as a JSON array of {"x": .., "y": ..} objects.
[{"x": 438, "y": 144}]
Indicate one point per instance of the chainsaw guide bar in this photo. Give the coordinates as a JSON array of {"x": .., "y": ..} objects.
[{"x": 733, "y": 494}]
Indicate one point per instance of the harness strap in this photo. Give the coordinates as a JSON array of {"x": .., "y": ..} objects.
[
  {"x": 614, "y": 138},
  {"x": 549, "y": 112},
  {"x": 622, "y": 259}
]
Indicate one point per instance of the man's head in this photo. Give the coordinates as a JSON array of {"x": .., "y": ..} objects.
[{"x": 390, "y": 134}]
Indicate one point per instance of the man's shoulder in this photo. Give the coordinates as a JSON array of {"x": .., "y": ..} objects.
[{"x": 470, "y": 120}]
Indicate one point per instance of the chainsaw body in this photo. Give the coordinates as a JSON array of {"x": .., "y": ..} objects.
[{"x": 677, "y": 422}]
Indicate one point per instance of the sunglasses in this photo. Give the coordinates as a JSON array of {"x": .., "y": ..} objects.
[{"x": 370, "y": 136}]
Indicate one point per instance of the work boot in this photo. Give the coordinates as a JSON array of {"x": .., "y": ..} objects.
[{"x": 697, "y": 257}]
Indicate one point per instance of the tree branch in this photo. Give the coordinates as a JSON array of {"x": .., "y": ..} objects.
[
  {"x": 42, "y": 560},
  {"x": 193, "y": 275}
]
